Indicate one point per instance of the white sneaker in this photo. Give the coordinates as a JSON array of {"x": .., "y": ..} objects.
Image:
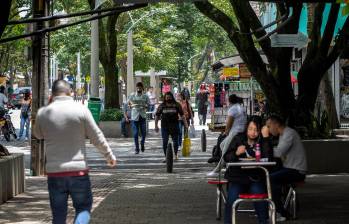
[
  {"x": 212, "y": 174},
  {"x": 280, "y": 218}
]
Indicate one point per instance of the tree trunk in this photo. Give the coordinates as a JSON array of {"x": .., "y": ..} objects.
[
  {"x": 111, "y": 85},
  {"x": 108, "y": 48},
  {"x": 4, "y": 14},
  {"x": 327, "y": 101},
  {"x": 27, "y": 78}
]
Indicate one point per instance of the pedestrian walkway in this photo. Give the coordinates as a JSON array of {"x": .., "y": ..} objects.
[
  {"x": 132, "y": 171},
  {"x": 140, "y": 191}
]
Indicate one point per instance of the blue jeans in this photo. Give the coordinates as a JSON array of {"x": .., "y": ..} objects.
[
  {"x": 79, "y": 188},
  {"x": 123, "y": 127},
  {"x": 165, "y": 134},
  {"x": 233, "y": 194},
  {"x": 279, "y": 179},
  {"x": 151, "y": 108},
  {"x": 24, "y": 122},
  {"x": 180, "y": 133},
  {"x": 136, "y": 125}
]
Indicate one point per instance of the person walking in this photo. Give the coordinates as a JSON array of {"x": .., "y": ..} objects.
[
  {"x": 64, "y": 125},
  {"x": 188, "y": 115},
  {"x": 139, "y": 103},
  {"x": 152, "y": 101},
  {"x": 3, "y": 98},
  {"x": 202, "y": 103},
  {"x": 169, "y": 112},
  {"x": 26, "y": 103}
]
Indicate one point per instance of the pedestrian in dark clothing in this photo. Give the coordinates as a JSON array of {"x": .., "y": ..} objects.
[
  {"x": 243, "y": 146},
  {"x": 202, "y": 103},
  {"x": 169, "y": 113}
]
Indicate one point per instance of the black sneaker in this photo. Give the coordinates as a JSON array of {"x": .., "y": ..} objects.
[
  {"x": 137, "y": 152},
  {"x": 213, "y": 160},
  {"x": 142, "y": 148}
]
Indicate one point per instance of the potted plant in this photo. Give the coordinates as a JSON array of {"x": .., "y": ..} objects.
[{"x": 110, "y": 122}]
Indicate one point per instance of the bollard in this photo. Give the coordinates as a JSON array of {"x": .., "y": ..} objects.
[
  {"x": 169, "y": 158},
  {"x": 203, "y": 140}
]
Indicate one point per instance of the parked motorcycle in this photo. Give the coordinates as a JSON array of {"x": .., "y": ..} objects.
[{"x": 6, "y": 125}]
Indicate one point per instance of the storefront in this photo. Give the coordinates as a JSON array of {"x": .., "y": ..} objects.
[{"x": 233, "y": 77}]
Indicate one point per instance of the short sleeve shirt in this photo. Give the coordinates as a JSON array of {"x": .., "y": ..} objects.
[
  {"x": 169, "y": 114},
  {"x": 240, "y": 118},
  {"x": 139, "y": 106}
]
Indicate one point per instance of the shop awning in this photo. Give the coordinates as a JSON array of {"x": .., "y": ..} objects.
[{"x": 231, "y": 61}]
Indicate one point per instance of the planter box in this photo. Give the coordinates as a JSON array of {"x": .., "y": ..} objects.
[
  {"x": 327, "y": 156},
  {"x": 112, "y": 129},
  {"x": 11, "y": 176}
]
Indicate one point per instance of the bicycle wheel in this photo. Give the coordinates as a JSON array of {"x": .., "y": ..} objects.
[{"x": 169, "y": 158}]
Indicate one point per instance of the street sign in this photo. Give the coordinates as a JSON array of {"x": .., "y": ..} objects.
[
  {"x": 154, "y": 1},
  {"x": 298, "y": 40}
]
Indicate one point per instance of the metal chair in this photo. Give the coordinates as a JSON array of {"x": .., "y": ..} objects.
[
  {"x": 257, "y": 197},
  {"x": 291, "y": 200}
]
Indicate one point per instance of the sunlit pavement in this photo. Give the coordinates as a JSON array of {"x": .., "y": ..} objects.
[{"x": 140, "y": 191}]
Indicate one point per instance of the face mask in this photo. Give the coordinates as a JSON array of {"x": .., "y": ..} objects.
[{"x": 139, "y": 91}]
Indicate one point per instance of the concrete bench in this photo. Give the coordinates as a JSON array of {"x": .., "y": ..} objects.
[{"x": 12, "y": 176}]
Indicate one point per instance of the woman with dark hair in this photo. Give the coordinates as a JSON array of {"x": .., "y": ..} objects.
[
  {"x": 243, "y": 146},
  {"x": 169, "y": 113},
  {"x": 202, "y": 103},
  {"x": 188, "y": 114},
  {"x": 25, "y": 115}
]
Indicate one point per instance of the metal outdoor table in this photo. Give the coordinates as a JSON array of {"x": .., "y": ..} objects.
[{"x": 255, "y": 165}]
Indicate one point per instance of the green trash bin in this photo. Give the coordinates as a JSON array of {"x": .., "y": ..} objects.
[{"x": 94, "y": 105}]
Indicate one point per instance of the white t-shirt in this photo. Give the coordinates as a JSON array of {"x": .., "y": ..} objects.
[
  {"x": 240, "y": 118},
  {"x": 152, "y": 98}
]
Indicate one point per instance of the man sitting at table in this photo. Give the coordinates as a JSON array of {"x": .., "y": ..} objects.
[
  {"x": 292, "y": 154},
  {"x": 242, "y": 147}
]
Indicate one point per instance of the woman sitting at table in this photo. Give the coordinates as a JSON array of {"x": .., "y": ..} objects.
[{"x": 242, "y": 181}]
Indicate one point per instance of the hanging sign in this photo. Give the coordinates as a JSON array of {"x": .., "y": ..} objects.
[{"x": 231, "y": 72}]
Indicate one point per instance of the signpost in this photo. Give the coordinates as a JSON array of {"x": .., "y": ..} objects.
[{"x": 298, "y": 40}]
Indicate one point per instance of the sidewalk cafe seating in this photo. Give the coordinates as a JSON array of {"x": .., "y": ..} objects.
[
  {"x": 221, "y": 194},
  {"x": 291, "y": 200},
  {"x": 246, "y": 197}
]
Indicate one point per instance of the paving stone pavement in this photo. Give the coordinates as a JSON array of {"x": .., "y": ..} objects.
[{"x": 140, "y": 191}]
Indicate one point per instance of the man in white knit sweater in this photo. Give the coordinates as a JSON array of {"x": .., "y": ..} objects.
[{"x": 64, "y": 125}]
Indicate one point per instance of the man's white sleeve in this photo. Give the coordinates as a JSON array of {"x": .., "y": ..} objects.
[
  {"x": 37, "y": 127},
  {"x": 96, "y": 136}
]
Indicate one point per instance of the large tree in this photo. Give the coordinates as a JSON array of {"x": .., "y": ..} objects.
[
  {"x": 274, "y": 77},
  {"x": 107, "y": 54}
]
